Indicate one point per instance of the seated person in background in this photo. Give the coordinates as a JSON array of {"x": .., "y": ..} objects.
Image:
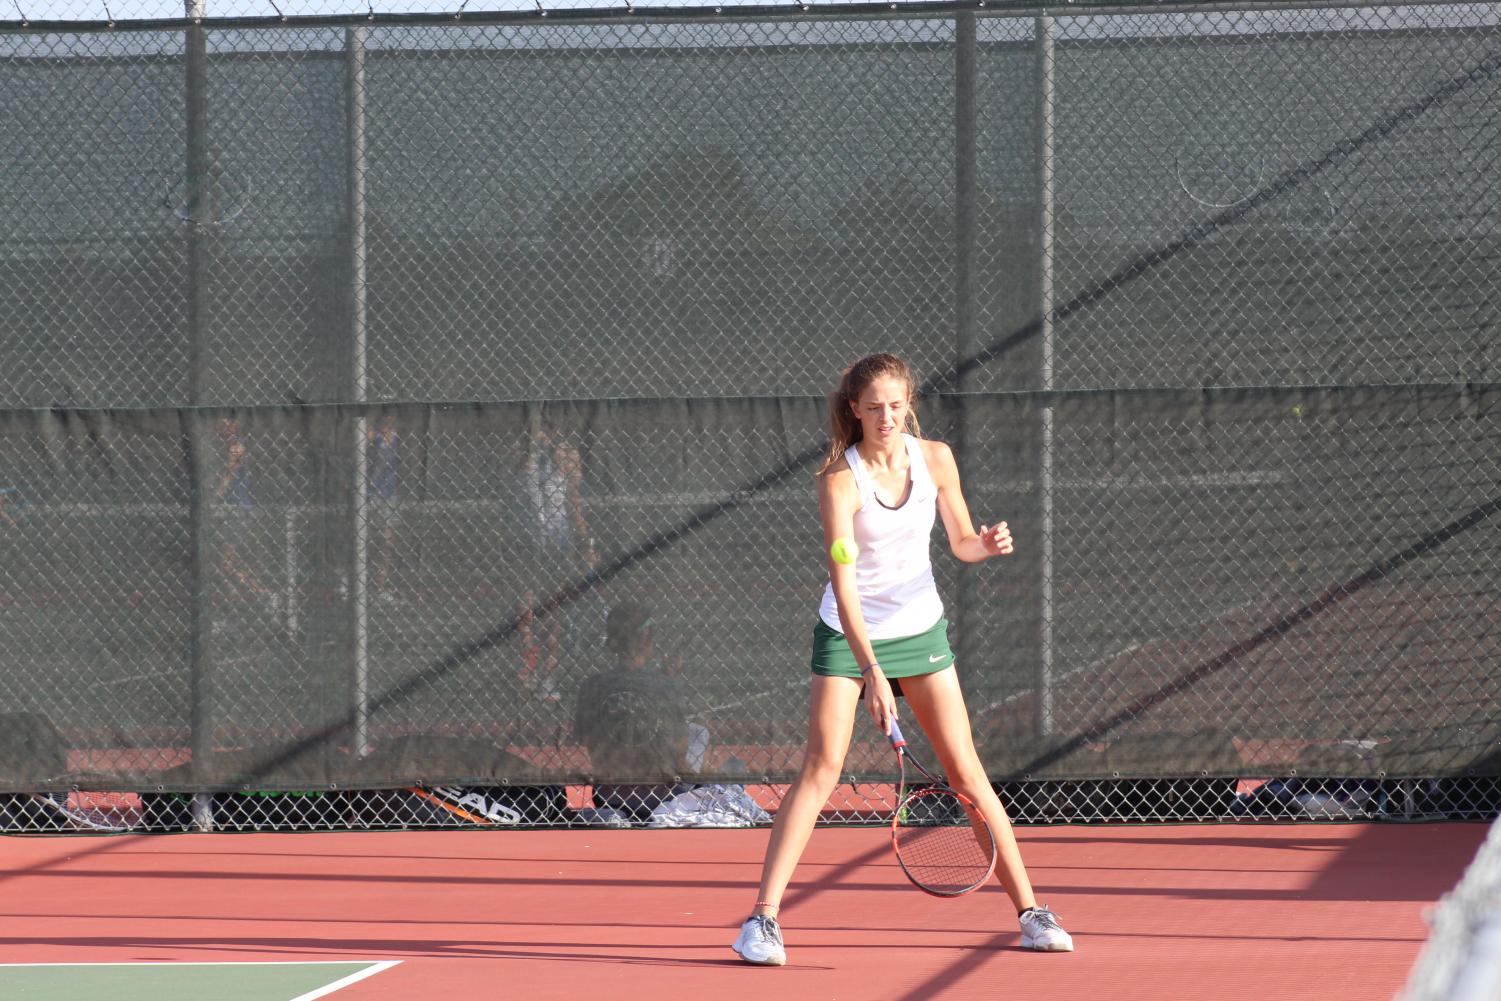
[{"x": 634, "y": 720}]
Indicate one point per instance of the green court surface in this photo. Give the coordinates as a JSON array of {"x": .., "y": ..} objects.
[{"x": 180, "y": 981}]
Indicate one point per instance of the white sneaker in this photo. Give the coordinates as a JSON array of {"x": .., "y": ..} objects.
[
  {"x": 760, "y": 941},
  {"x": 1041, "y": 931}
]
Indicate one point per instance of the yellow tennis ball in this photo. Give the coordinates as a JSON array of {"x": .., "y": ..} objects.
[{"x": 844, "y": 551}]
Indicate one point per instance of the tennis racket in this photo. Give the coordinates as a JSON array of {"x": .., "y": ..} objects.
[
  {"x": 942, "y": 843},
  {"x": 449, "y": 803}
]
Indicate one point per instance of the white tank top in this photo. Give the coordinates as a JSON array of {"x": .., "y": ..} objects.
[{"x": 893, "y": 573}]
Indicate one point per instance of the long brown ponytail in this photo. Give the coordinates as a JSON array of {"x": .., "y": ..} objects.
[{"x": 844, "y": 428}]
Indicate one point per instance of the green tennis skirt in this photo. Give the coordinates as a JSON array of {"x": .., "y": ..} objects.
[{"x": 901, "y": 657}]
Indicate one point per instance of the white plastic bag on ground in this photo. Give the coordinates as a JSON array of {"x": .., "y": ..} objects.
[{"x": 710, "y": 806}]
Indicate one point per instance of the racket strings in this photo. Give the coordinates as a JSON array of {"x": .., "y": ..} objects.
[{"x": 942, "y": 846}]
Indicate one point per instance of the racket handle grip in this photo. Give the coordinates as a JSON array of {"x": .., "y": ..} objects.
[{"x": 897, "y": 740}]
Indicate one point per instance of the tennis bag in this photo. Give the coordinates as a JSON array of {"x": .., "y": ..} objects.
[
  {"x": 248, "y": 808},
  {"x": 417, "y": 806},
  {"x": 493, "y": 787},
  {"x": 497, "y": 788}
]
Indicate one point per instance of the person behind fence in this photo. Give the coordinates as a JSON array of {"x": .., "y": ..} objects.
[
  {"x": 633, "y": 719},
  {"x": 381, "y": 497},
  {"x": 235, "y": 513},
  {"x": 551, "y": 472},
  {"x": 881, "y": 630}
]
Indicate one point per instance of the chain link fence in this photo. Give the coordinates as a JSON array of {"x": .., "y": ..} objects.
[{"x": 357, "y": 374}]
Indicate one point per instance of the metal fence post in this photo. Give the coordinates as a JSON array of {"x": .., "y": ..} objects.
[
  {"x": 198, "y": 208},
  {"x": 354, "y": 54},
  {"x": 966, "y": 342},
  {"x": 1044, "y": 67}
]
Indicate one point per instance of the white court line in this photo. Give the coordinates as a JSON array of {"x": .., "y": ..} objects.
[
  {"x": 346, "y": 981},
  {"x": 1101, "y": 661},
  {"x": 784, "y": 687}
]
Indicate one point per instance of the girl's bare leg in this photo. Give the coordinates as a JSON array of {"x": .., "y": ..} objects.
[
  {"x": 938, "y": 703},
  {"x": 831, "y": 719}
]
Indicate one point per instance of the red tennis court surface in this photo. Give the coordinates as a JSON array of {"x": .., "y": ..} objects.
[{"x": 1161, "y": 912}]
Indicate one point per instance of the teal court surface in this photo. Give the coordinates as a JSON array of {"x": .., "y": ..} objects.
[{"x": 269, "y": 981}]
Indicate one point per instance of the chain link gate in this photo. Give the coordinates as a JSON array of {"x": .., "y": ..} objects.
[{"x": 356, "y": 372}]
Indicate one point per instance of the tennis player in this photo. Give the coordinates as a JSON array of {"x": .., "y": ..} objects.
[
  {"x": 235, "y": 512},
  {"x": 882, "y": 631}
]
